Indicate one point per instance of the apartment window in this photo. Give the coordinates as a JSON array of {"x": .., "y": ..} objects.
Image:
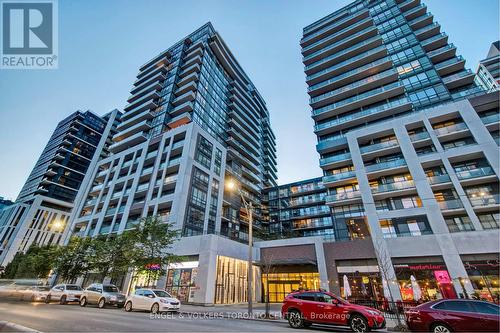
[
  {"x": 204, "y": 152},
  {"x": 401, "y": 227},
  {"x": 459, "y": 223},
  {"x": 490, "y": 221}
]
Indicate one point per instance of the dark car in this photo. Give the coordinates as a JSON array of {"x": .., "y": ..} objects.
[
  {"x": 302, "y": 309},
  {"x": 454, "y": 315}
]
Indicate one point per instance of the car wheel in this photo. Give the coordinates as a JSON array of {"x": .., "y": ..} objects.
[
  {"x": 128, "y": 306},
  {"x": 358, "y": 323},
  {"x": 295, "y": 319},
  {"x": 440, "y": 328},
  {"x": 155, "y": 308},
  {"x": 62, "y": 301},
  {"x": 102, "y": 303},
  {"x": 83, "y": 301},
  {"x": 47, "y": 299}
]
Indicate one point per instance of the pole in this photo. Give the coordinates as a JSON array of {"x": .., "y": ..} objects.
[{"x": 250, "y": 259}]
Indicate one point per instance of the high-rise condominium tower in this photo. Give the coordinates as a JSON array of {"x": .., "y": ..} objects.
[
  {"x": 193, "y": 120},
  {"x": 43, "y": 206},
  {"x": 408, "y": 143}
]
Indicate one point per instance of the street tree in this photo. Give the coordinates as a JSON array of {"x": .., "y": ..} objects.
[
  {"x": 72, "y": 260},
  {"x": 153, "y": 242}
]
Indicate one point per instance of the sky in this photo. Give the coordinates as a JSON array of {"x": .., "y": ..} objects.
[{"x": 103, "y": 43}]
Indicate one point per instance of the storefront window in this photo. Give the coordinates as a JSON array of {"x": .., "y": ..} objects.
[
  {"x": 484, "y": 277},
  {"x": 364, "y": 285},
  {"x": 281, "y": 284},
  {"x": 181, "y": 280},
  {"x": 231, "y": 281},
  {"x": 433, "y": 280}
]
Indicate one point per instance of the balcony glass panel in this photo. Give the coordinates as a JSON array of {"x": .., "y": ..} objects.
[
  {"x": 394, "y": 186},
  {"x": 385, "y": 165},
  {"x": 474, "y": 173}
]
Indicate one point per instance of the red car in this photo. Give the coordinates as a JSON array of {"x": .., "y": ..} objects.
[
  {"x": 454, "y": 315},
  {"x": 302, "y": 309}
]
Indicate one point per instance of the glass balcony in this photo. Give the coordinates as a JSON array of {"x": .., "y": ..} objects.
[
  {"x": 441, "y": 50},
  {"x": 450, "y": 129},
  {"x": 484, "y": 199},
  {"x": 385, "y": 165},
  {"x": 348, "y": 73},
  {"x": 378, "y": 146},
  {"x": 356, "y": 98},
  {"x": 450, "y": 204},
  {"x": 419, "y": 136},
  {"x": 427, "y": 28},
  {"x": 457, "y": 76},
  {"x": 449, "y": 62},
  {"x": 492, "y": 118},
  {"x": 439, "y": 179},
  {"x": 468, "y": 93},
  {"x": 339, "y": 176},
  {"x": 475, "y": 173},
  {"x": 354, "y": 85},
  {"x": 345, "y": 51},
  {"x": 335, "y": 35},
  {"x": 331, "y": 141},
  {"x": 334, "y": 158},
  {"x": 343, "y": 196},
  {"x": 330, "y": 26},
  {"x": 434, "y": 38},
  {"x": 340, "y": 42},
  {"x": 404, "y": 185}
]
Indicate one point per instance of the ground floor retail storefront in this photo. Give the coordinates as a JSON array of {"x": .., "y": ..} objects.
[
  {"x": 423, "y": 279},
  {"x": 483, "y": 272},
  {"x": 281, "y": 281}
]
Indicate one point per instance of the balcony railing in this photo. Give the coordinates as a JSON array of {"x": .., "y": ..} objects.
[
  {"x": 343, "y": 63},
  {"x": 439, "y": 179},
  {"x": 475, "y": 173},
  {"x": 408, "y": 184},
  {"x": 348, "y": 73},
  {"x": 378, "y": 146},
  {"x": 434, "y": 38},
  {"x": 419, "y": 136},
  {"x": 339, "y": 176},
  {"x": 354, "y": 85},
  {"x": 343, "y": 196},
  {"x": 334, "y": 158},
  {"x": 345, "y": 51},
  {"x": 492, "y": 118},
  {"x": 385, "y": 165},
  {"x": 484, "y": 200},
  {"x": 356, "y": 98},
  {"x": 450, "y": 129},
  {"x": 450, "y": 204}
]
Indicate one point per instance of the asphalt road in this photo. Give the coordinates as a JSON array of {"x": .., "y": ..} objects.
[{"x": 72, "y": 318}]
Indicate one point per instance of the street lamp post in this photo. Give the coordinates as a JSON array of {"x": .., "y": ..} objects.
[{"x": 249, "y": 208}]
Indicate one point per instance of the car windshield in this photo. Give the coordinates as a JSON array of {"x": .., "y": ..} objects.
[
  {"x": 72, "y": 287},
  {"x": 43, "y": 288},
  {"x": 161, "y": 293},
  {"x": 110, "y": 289}
]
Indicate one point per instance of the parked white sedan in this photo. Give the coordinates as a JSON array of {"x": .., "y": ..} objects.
[{"x": 152, "y": 300}]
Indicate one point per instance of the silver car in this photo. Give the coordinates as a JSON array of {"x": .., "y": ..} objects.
[
  {"x": 102, "y": 295},
  {"x": 64, "y": 293}
]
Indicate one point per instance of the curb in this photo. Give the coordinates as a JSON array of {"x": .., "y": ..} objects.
[{"x": 7, "y": 326}]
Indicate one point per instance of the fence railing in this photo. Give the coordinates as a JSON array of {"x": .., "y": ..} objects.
[{"x": 391, "y": 310}]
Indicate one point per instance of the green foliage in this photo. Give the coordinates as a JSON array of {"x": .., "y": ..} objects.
[
  {"x": 72, "y": 260},
  {"x": 153, "y": 240},
  {"x": 109, "y": 256},
  {"x": 35, "y": 263}
]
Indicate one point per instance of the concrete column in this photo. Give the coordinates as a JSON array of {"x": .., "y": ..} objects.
[
  {"x": 379, "y": 243},
  {"x": 207, "y": 271},
  {"x": 457, "y": 270},
  {"x": 321, "y": 262}
]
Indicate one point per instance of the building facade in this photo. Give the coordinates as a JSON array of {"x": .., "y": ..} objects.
[
  {"x": 194, "y": 120},
  {"x": 409, "y": 155},
  {"x": 41, "y": 212},
  {"x": 5, "y": 203},
  {"x": 488, "y": 71}
]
